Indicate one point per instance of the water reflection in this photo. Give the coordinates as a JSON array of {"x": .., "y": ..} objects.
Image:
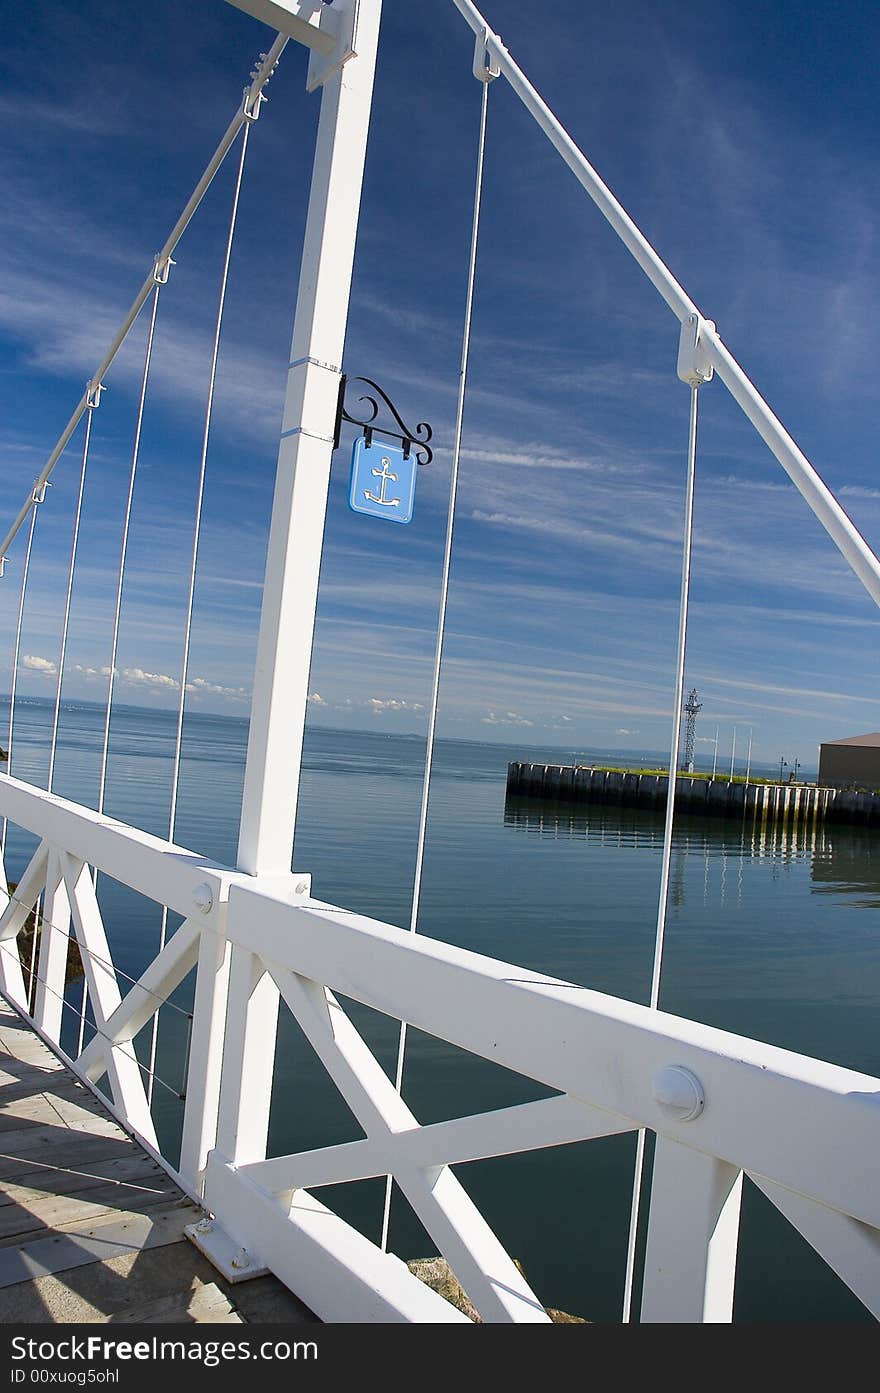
[
  {"x": 771, "y": 931},
  {"x": 841, "y": 860}
]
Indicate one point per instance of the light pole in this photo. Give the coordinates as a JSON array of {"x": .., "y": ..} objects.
[
  {"x": 749, "y": 757},
  {"x": 733, "y": 753},
  {"x": 782, "y": 765},
  {"x": 796, "y": 767},
  {"x": 715, "y": 754}
]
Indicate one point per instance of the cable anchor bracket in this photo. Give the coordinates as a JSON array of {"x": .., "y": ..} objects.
[
  {"x": 254, "y": 96},
  {"x": 39, "y": 491},
  {"x": 694, "y": 366},
  {"x": 486, "y": 67},
  {"x": 162, "y": 268},
  {"x": 93, "y": 394}
]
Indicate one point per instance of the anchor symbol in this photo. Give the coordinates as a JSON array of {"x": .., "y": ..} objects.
[{"x": 387, "y": 477}]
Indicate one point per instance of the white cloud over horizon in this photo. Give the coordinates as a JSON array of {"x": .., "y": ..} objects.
[
  {"x": 34, "y": 663},
  {"x": 505, "y": 718}
]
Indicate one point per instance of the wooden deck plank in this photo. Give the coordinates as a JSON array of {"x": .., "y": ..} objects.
[
  {"x": 79, "y": 1108},
  {"x": 60, "y": 1212},
  {"x": 27, "y": 1049},
  {"x": 66, "y": 1147},
  {"x": 120, "y": 1288},
  {"x": 203, "y": 1302},
  {"x": 68, "y": 1103},
  {"x": 47, "y": 1179},
  {"x": 109, "y": 1235},
  {"x": 91, "y": 1227},
  {"x": 17, "y": 1077}
]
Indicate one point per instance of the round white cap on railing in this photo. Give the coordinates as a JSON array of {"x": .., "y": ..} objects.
[
  {"x": 678, "y": 1092},
  {"x": 203, "y": 897}
]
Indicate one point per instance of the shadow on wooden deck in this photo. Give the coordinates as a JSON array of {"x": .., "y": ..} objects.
[{"x": 91, "y": 1227}]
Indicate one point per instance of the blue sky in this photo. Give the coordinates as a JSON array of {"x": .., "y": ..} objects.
[{"x": 741, "y": 137}]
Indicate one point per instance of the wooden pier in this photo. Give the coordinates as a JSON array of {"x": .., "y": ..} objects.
[
  {"x": 579, "y": 783},
  {"x": 91, "y": 1227}
]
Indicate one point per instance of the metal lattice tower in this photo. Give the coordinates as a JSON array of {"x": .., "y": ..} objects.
[{"x": 692, "y": 708}]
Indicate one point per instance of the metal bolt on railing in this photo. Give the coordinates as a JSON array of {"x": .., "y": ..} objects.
[{"x": 678, "y": 1093}]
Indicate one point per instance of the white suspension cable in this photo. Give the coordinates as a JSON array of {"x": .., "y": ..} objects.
[
  {"x": 98, "y": 958},
  {"x": 102, "y": 787},
  {"x": 252, "y": 98},
  {"x": 115, "y": 1044},
  {"x": 36, "y": 499},
  {"x": 444, "y": 592},
  {"x": 200, "y": 493},
  {"x": 70, "y": 573},
  {"x": 663, "y": 902},
  {"x": 32, "y": 992},
  {"x": 82, "y": 1015}
]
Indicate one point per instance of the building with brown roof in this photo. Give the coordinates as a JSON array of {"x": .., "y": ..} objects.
[{"x": 851, "y": 763}]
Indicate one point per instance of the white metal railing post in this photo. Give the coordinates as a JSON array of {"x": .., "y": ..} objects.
[
  {"x": 205, "y": 1056},
  {"x": 52, "y": 961},
  {"x": 248, "y": 1058},
  {"x": 279, "y": 704},
  {"x": 690, "y": 1259}
]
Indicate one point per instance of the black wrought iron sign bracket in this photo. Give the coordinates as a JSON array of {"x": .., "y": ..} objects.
[{"x": 415, "y": 441}]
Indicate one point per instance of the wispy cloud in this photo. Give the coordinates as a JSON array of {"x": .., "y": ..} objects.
[
  {"x": 65, "y": 327},
  {"x": 379, "y": 705},
  {"x": 505, "y": 718},
  {"x": 159, "y": 683},
  {"x": 34, "y": 663}
]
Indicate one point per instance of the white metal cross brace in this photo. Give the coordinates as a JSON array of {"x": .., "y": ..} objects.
[
  {"x": 122, "y": 1067},
  {"x": 556, "y": 1121},
  {"x": 491, "y": 1279},
  {"x": 850, "y": 1248}
]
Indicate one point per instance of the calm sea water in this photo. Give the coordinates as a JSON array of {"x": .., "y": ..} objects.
[{"x": 773, "y": 937}]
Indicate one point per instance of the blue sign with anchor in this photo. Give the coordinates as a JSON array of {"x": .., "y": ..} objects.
[{"x": 383, "y": 480}]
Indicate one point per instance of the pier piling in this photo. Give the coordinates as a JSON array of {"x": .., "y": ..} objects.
[{"x": 580, "y": 783}]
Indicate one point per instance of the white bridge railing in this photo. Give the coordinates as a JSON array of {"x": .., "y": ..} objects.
[
  {"x": 807, "y": 1133},
  {"x": 721, "y": 1107}
]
